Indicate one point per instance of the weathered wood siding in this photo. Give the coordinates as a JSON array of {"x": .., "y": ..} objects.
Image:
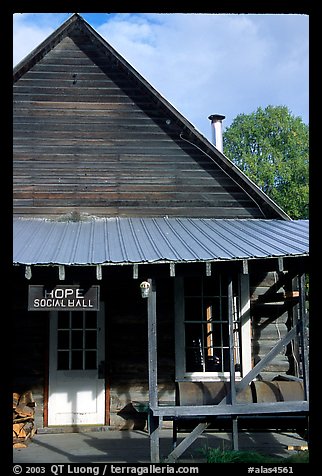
[
  {"x": 125, "y": 345},
  {"x": 271, "y": 320},
  {"x": 127, "y": 354},
  {"x": 89, "y": 140},
  {"x": 30, "y": 341},
  {"x": 127, "y": 339}
]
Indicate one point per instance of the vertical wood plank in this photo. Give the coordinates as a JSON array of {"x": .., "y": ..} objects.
[
  {"x": 154, "y": 421},
  {"x": 232, "y": 362},
  {"x": 235, "y": 433},
  {"x": 303, "y": 336},
  {"x": 245, "y": 322},
  {"x": 152, "y": 345},
  {"x": 180, "y": 356},
  {"x": 231, "y": 343},
  {"x": 154, "y": 432}
]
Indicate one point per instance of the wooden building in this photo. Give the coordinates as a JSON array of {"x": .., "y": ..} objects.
[{"x": 113, "y": 187}]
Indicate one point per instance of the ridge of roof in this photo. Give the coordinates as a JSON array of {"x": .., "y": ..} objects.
[
  {"x": 46, "y": 45},
  {"x": 203, "y": 144}
]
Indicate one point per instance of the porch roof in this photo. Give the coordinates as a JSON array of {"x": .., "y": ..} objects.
[{"x": 155, "y": 240}]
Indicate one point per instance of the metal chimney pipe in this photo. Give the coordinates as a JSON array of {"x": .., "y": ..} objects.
[{"x": 216, "y": 127}]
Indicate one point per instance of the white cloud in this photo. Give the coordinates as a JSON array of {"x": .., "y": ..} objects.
[
  {"x": 203, "y": 63},
  {"x": 206, "y": 64},
  {"x": 30, "y": 29}
]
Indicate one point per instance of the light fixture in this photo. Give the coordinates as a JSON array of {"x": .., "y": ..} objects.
[{"x": 145, "y": 289}]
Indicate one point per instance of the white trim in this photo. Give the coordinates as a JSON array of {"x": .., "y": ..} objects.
[
  {"x": 180, "y": 356},
  {"x": 69, "y": 391},
  {"x": 245, "y": 331},
  {"x": 245, "y": 336},
  {"x": 208, "y": 376}
]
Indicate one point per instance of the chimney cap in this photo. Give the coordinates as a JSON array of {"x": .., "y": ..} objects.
[{"x": 216, "y": 117}]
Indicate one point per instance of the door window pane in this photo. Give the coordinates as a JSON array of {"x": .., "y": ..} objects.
[
  {"x": 77, "y": 340},
  {"x": 63, "y": 339},
  {"x": 90, "y": 339},
  {"x": 90, "y": 360},
  {"x": 77, "y": 360},
  {"x": 62, "y": 360}
]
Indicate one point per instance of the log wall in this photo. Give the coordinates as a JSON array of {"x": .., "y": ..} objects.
[
  {"x": 126, "y": 338},
  {"x": 30, "y": 351},
  {"x": 271, "y": 315}
]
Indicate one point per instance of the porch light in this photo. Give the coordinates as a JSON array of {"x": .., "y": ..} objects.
[{"x": 145, "y": 289}]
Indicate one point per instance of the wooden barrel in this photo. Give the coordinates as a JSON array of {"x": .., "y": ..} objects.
[
  {"x": 278, "y": 391},
  {"x": 208, "y": 393}
]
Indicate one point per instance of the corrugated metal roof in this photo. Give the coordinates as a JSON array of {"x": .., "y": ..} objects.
[{"x": 153, "y": 240}]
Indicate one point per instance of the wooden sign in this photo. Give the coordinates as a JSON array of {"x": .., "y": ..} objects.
[{"x": 63, "y": 298}]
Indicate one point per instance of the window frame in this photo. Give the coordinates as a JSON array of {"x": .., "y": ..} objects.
[
  {"x": 70, "y": 328},
  {"x": 244, "y": 334}
]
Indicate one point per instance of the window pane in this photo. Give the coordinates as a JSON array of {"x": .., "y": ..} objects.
[
  {"x": 62, "y": 360},
  {"x": 226, "y": 360},
  {"x": 90, "y": 339},
  {"x": 77, "y": 339},
  {"x": 217, "y": 335},
  {"x": 211, "y": 309},
  {"x": 213, "y": 362},
  {"x": 206, "y": 325},
  {"x": 193, "y": 333},
  {"x": 90, "y": 359},
  {"x": 194, "y": 358},
  {"x": 63, "y": 339},
  {"x": 194, "y": 348},
  {"x": 77, "y": 360}
]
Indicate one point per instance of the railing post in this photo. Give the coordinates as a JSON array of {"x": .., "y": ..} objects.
[{"x": 153, "y": 421}]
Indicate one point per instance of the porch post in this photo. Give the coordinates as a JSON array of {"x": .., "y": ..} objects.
[
  {"x": 153, "y": 421},
  {"x": 232, "y": 361},
  {"x": 303, "y": 337}
]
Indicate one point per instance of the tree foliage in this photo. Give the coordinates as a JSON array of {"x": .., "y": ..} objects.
[{"x": 271, "y": 146}]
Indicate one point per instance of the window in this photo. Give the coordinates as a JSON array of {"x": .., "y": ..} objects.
[
  {"x": 77, "y": 340},
  {"x": 202, "y": 327}
]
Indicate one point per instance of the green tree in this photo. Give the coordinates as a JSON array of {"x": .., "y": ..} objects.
[{"x": 271, "y": 146}]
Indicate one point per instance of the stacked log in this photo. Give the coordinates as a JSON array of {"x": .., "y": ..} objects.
[{"x": 23, "y": 419}]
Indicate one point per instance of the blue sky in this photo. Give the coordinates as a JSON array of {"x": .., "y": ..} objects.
[{"x": 201, "y": 63}]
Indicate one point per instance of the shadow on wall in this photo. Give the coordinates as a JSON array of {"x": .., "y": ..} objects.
[{"x": 133, "y": 418}]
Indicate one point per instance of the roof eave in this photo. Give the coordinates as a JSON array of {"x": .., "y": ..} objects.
[
  {"x": 161, "y": 261},
  {"x": 235, "y": 170},
  {"x": 186, "y": 125},
  {"x": 36, "y": 54}
]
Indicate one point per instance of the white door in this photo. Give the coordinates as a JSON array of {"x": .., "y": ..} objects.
[{"x": 76, "y": 368}]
